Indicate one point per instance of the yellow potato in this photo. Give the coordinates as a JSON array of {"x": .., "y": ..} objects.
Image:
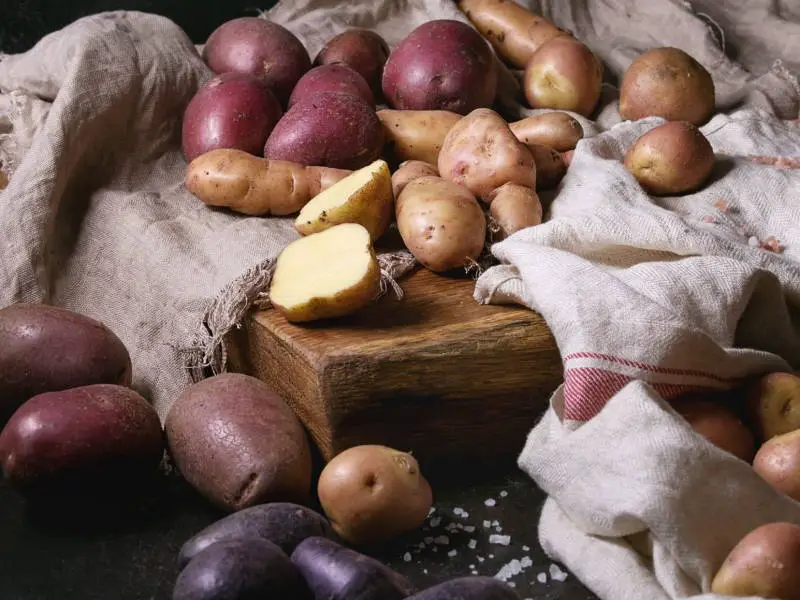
[
  {"x": 409, "y": 171},
  {"x": 441, "y": 223},
  {"x": 256, "y": 186},
  {"x": 514, "y": 208},
  {"x": 778, "y": 463},
  {"x": 550, "y": 166},
  {"x": 373, "y": 493},
  {"x": 3, "y": 180},
  {"x": 555, "y": 129},
  {"x": 774, "y": 404},
  {"x": 416, "y": 134},
  {"x": 364, "y": 197},
  {"x": 325, "y": 275},
  {"x": 481, "y": 153}
]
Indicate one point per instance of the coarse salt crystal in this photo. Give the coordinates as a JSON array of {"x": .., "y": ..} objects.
[
  {"x": 526, "y": 562},
  {"x": 427, "y": 540},
  {"x": 452, "y": 553},
  {"x": 469, "y": 528},
  {"x": 436, "y": 521},
  {"x": 503, "y": 540},
  {"x": 491, "y": 556},
  {"x": 557, "y": 574},
  {"x": 425, "y": 571},
  {"x": 474, "y": 572},
  {"x": 450, "y": 528},
  {"x": 432, "y": 510},
  {"x": 481, "y": 559},
  {"x": 503, "y": 494},
  {"x": 490, "y": 502},
  {"x": 457, "y": 511},
  {"x": 511, "y": 584},
  {"x": 407, "y": 557},
  {"x": 472, "y": 544},
  {"x": 541, "y": 578},
  {"x": 496, "y": 523},
  {"x": 487, "y": 524},
  {"x": 442, "y": 540},
  {"x": 526, "y": 549},
  {"x": 509, "y": 570},
  {"x": 498, "y": 529}
]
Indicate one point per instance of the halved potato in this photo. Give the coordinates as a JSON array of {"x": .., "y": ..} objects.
[
  {"x": 326, "y": 275},
  {"x": 364, "y": 197}
]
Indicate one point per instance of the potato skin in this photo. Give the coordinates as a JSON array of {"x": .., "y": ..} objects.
[
  {"x": 718, "y": 425},
  {"x": 474, "y": 587},
  {"x": 416, "y": 134},
  {"x": 563, "y": 74},
  {"x": 331, "y": 78},
  {"x": 81, "y": 439},
  {"x": 765, "y": 564},
  {"x": 513, "y": 208},
  {"x": 555, "y": 129},
  {"x": 261, "y": 48},
  {"x": 441, "y": 65},
  {"x": 409, "y": 171},
  {"x": 232, "y": 110},
  {"x": 773, "y": 404},
  {"x": 362, "y": 50},
  {"x": 238, "y": 443},
  {"x": 47, "y": 349},
  {"x": 667, "y": 83},
  {"x": 441, "y": 223},
  {"x": 481, "y": 153},
  {"x": 778, "y": 463},
  {"x": 328, "y": 130},
  {"x": 372, "y": 494},
  {"x": 673, "y": 158},
  {"x": 550, "y": 166}
]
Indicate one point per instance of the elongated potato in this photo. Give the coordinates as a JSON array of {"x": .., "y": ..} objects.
[
  {"x": 416, "y": 134},
  {"x": 514, "y": 32},
  {"x": 409, "y": 171},
  {"x": 481, "y": 153},
  {"x": 555, "y": 129},
  {"x": 513, "y": 208},
  {"x": 441, "y": 223},
  {"x": 256, "y": 186}
]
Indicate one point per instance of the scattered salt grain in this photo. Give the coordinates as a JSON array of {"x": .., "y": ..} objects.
[
  {"x": 526, "y": 562},
  {"x": 451, "y": 528},
  {"x": 511, "y": 584},
  {"x": 458, "y": 511},
  {"x": 503, "y": 540},
  {"x": 526, "y": 549},
  {"x": 427, "y": 540},
  {"x": 452, "y": 553},
  {"x": 541, "y": 578},
  {"x": 491, "y": 556},
  {"x": 509, "y": 570},
  {"x": 442, "y": 540},
  {"x": 496, "y": 523},
  {"x": 472, "y": 544},
  {"x": 432, "y": 510},
  {"x": 490, "y": 502},
  {"x": 436, "y": 521},
  {"x": 503, "y": 494},
  {"x": 487, "y": 524},
  {"x": 498, "y": 529},
  {"x": 421, "y": 545},
  {"x": 481, "y": 559},
  {"x": 469, "y": 528},
  {"x": 557, "y": 574},
  {"x": 425, "y": 571},
  {"x": 407, "y": 557},
  {"x": 474, "y": 572}
]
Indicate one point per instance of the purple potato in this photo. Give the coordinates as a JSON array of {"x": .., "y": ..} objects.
[
  {"x": 231, "y": 110},
  {"x": 48, "y": 349},
  {"x": 468, "y": 588},
  {"x": 441, "y": 65},
  {"x": 362, "y": 50},
  {"x": 260, "y": 48},
  {"x": 331, "y": 78},
  {"x": 282, "y": 523},
  {"x": 333, "y": 572},
  {"x": 249, "y": 569},
  {"x": 328, "y": 130}
]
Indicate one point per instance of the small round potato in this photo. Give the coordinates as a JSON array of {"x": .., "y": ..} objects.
[
  {"x": 441, "y": 223},
  {"x": 409, "y": 171},
  {"x": 564, "y": 74},
  {"x": 373, "y": 493},
  {"x": 667, "y": 83},
  {"x": 514, "y": 208},
  {"x": 778, "y": 463},
  {"x": 362, "y": 50},
  {"x": 674, "y": 158}
]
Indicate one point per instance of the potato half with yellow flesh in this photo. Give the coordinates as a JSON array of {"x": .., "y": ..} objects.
[
  {"x": 326, "y": 275},
  {"x": 364, "y": 197}
]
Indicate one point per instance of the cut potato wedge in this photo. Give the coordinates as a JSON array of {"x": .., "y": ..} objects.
[
  {"x": 326, "y": 275},
  {"x": 364, "y": 197}
]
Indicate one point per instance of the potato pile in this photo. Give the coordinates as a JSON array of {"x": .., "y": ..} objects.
[{"x": 763, "y": 430}]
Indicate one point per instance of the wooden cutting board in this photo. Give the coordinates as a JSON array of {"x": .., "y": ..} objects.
[{"x": 436, "y": 373}]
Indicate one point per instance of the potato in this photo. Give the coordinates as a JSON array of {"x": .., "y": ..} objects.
[
  {"x": 674, "y": 158},
  {"x": 481, "y": 153},
  {"x": 441, "y": 65},
  {"x": 373, "y": 493},
  {"x": 409, "y": 171},
  {"x": 3, "y": 180},
  {"x": 331, "y": 78},
  {"x": 765, "y": 563},
  {"x": 667, "y": 83},
  {"x": 468, "y": 588},
  {"x": 89, "y": 440},
  {"x": 333, "y": 572},
  {"x": 557, "y": 130},
  {"x": 261, "y": 48},
  {"x": 362, "y": 50},
  {"x": 329, "y": 130},
  {"x": 563, "y": 74},
  {"x": 778, "y": 463},
  {"x": 718, "y": 425},
  {"x": 237, "y": 443},
  {"x": 514, "y": 32},
  {"x": 567, "y": 157},
  {"x": 282, "y": 523},
  {"x": 231, "y": 110},
  {"x": 364, "y": 197},
  {"x": 550, "y": 166},
  {"x": 513, "y": 208},
  {"x": 48, "y": 349},
  {"x": 256, "y": 186},
  {"x": 773, "y": 402},
  {"x": 240, "y": 570},
  {"x": 441, "y": 223},
  {"x": 416, "y": 134},
  {"x": 326, "y": 275}
]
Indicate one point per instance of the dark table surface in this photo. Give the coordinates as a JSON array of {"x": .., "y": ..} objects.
[{"x": 76, "y": 559}]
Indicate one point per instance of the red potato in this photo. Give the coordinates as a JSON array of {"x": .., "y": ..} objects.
[
  {"x": 329, "y": 130},
  {"x": 441, "y": 65},
  {"x": 231, "y": 110},
  {"x": 260, "y": 48},
  {"x": 362, "y": 50},
  {"x": 331, "y": 78},
  {"x": 718, "y": 425},
  {"x": 564, "y": 74},
  {"x": 514, "y": 32}
]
